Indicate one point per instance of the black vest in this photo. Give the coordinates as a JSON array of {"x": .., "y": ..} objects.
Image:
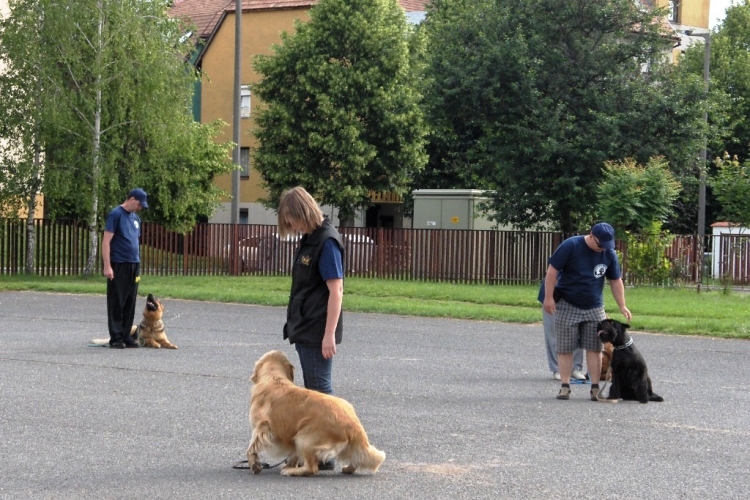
[{"x": 308, "y": 302}]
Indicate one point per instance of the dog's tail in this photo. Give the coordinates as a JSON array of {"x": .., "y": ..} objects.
[{"x": 365, "y": 457}]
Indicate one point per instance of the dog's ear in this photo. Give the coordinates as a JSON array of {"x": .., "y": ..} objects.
[
  {"x": 290, "y": 371},
  {"x": 625, "y": 326},
  {"x": 254, "y": 376}
]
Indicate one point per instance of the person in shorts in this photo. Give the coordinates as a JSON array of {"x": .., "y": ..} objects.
[{"x": 573, "y": 291}]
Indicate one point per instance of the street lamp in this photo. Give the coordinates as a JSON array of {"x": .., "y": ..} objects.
[{"x": 702, "y": 174}]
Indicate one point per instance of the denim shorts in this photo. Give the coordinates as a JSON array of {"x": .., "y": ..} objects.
[{"x": 577, "y": 327}]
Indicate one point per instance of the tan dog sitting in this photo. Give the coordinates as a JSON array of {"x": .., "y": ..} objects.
[
  {"x": 606, "y": 358},
  {"x": 306, "y": 426},
  {"x": 150, "y": 333}
]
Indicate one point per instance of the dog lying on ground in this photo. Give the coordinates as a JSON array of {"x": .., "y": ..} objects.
[
  {"x": 150, "y": 333},
  {"x": 306, "y": 426},
  {"x": 630, "y": 379}
]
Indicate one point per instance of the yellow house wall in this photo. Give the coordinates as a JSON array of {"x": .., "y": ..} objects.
[
  {"x": 695, "y": 13},
  {"x": 38, "y": 208},
  {"x": 23, "y": 212},
  {"x": 260, "y": 31},
  {"x": 692, "y": 12}
]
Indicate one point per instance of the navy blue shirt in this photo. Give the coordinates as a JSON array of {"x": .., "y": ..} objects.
[
  {"x": 330, "y": 265},
  {"x": 581, "y": 272},
  {"x": 126, "y": 227}
]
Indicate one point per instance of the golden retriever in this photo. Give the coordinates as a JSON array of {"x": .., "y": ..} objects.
[{"x": 305, "y": 426}]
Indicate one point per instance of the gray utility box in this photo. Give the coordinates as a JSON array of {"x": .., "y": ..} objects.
[{"x": 449, "y": 209}]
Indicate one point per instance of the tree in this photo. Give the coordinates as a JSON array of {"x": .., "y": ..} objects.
[
  {"x": 731, "y": 186},
  {"x": 114, "y": 93},
  {"x": 342, "y": 116},
  {"x": 632, "y": 197},
  {"x": 636, "y": 200},
  {"x": 730, "y": 74},
  {"x": 529, "y": 98},
  {"x": 21, "y": 161}
]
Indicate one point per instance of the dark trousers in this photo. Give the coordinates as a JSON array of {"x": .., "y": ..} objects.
[
  {"x": 121, "y": 296},
  {"x": 316, "y": 370}
]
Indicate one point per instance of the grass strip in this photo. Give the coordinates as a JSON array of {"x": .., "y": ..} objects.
[{"x": 659, "y": 310}]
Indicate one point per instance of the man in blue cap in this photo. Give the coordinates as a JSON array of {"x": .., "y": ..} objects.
[
  {"x": 121, "y": 257},
  {"x": 573, "y": 292}
]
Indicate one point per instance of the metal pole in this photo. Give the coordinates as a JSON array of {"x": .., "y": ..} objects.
[
  {"x": 237, "y": 111},
  {"x": 702, "y": 178}
]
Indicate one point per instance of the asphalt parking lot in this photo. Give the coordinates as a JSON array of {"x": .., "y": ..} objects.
[{"x": 463, "y": 409}]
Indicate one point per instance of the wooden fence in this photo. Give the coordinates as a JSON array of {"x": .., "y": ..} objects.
[{"x": 463, "y": 256}]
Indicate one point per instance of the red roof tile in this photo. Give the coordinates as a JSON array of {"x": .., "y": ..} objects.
[
  {"x": 414, "y": 5},
  {"x": 725, "y": 224},
  {"x": 205, "y": 14},
  {"x": 408, "y": 5},
  {"x": 272, "y": 4}
]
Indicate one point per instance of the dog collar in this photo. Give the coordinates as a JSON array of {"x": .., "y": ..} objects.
[{"x": 630, "y": 342}]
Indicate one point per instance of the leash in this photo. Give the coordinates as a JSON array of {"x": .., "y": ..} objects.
[{"x": 239, "y": 465}]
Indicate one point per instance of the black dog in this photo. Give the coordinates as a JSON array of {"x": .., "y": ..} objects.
[{"x": 630, "y": 378}]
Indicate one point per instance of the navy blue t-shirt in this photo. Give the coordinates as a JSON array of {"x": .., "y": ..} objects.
[
  {"x": 581, "y": 272},
  {"x": 330, "y": 265},
  {"x": 126, "y": 227}
]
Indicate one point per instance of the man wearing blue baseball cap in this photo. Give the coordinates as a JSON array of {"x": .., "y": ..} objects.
[
  {"x": 121, "y": 258},
  {"x": 573, "y": 292}
]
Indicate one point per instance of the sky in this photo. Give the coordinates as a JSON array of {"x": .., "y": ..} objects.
[{"x": 717, "y": 10}]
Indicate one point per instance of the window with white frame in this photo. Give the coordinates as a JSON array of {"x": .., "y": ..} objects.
[
  {"x": 245, "y": 162},
  {"x": 245, "y": 101},
  {"x": 674, "y": 11}
]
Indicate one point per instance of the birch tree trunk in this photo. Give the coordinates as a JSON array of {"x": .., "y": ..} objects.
[
  {"x": 30, "y": 235},
  {"x": 96, "y": 167}
]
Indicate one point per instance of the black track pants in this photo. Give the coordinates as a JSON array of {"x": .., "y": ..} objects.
[{"x": 121, "y": 296}]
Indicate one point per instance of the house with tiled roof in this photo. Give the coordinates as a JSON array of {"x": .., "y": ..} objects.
[
  {"x": 263, "y": 21},
  {"x": 203, "y": 14}
]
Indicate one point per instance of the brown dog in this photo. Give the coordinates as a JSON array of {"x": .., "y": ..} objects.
[
  {"x": 606, "y": 359},
  {"x": 304, "y": 425},
  {"x": 150, "y": 333}
]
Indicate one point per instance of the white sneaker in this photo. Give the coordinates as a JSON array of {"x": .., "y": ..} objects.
[
  {"x": 556, "y": 375},
  {"x": 578, "y": 375}
]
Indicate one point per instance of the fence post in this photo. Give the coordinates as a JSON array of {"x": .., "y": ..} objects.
[{"x": 699, "y": 261}]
